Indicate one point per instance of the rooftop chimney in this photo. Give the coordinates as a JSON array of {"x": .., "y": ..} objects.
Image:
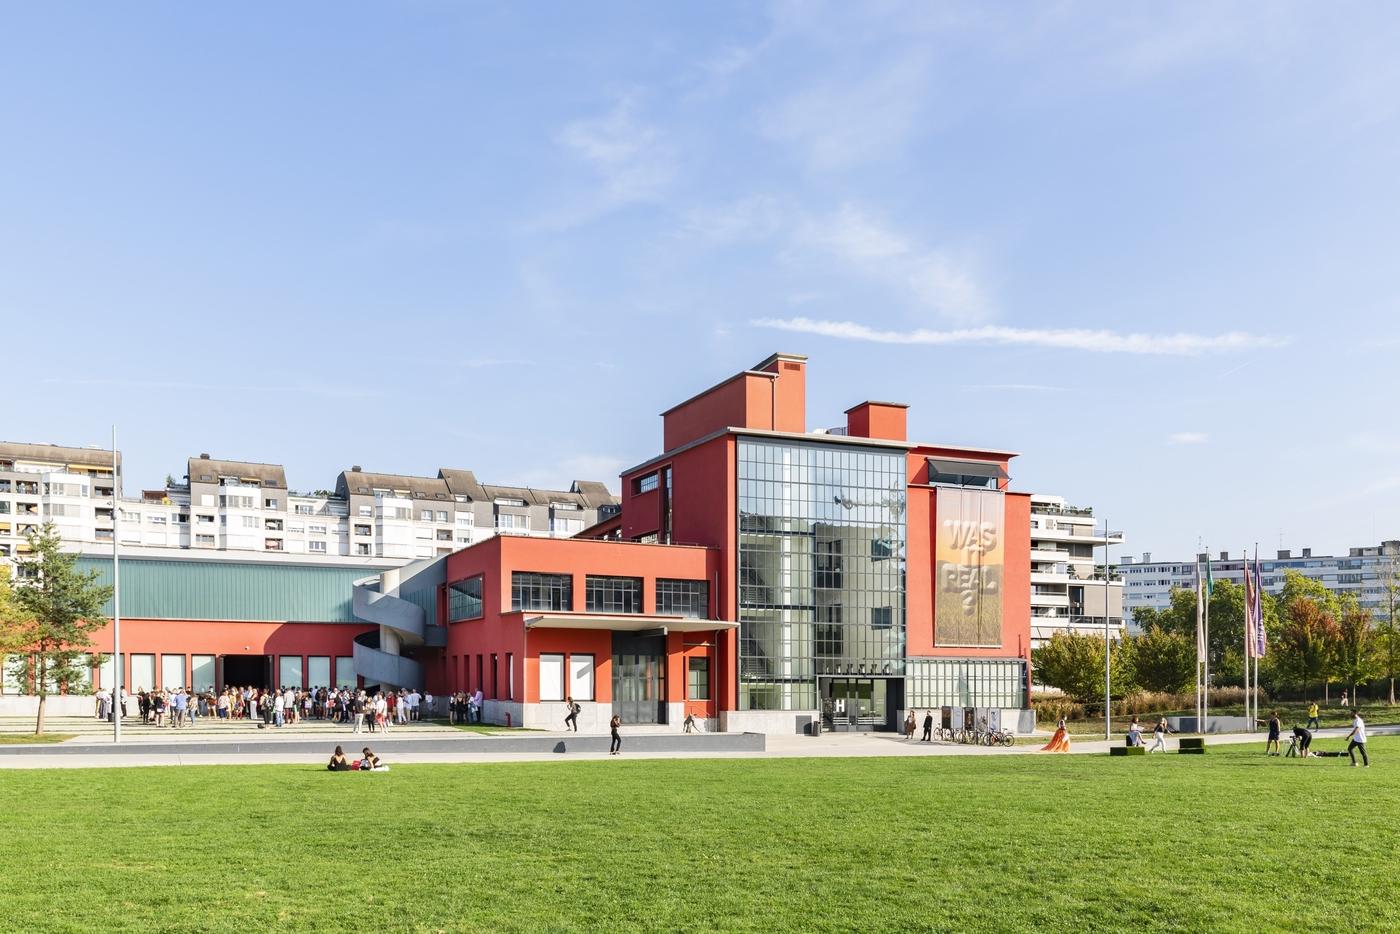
[
  {"x": 1307, "y": 552},
  {"x": 354, "y": 468},
  {"x": 1224, "y": 556},
  {"x": 1285, "y": 553},
  {"x": 204, "y": 457}
]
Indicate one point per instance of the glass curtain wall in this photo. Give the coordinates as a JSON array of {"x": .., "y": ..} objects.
[{"x": 821, "y": 568}]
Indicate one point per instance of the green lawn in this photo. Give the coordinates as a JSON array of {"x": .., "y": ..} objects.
[
  {"x": 1289, "y": 714},
  {"x": 1229, "y": 841}
]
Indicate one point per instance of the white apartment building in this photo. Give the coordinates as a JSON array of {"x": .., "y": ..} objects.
[
  {"x": 1363, "y": 572},
  {"x": 1067, "y": 592},
  {"x": 241, "y": 508}
]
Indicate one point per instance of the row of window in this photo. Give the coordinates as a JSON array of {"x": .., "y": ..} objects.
[
  {"x": 534, "y": 591},
  {"x": 200, "y": 673}
]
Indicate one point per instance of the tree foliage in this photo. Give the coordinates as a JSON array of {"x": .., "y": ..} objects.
[
  {"x": 1074, "y": 663},
  {"x": 1307, "y": 642},
  {"x": 1356, "y": 656},
  {"x": 57, "y": 609},
  {"x": 1225, "y": 647},
  {"x": 1160, "y": 660}
]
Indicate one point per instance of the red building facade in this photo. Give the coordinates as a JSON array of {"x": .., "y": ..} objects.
[{"x": 759, "y": 576}]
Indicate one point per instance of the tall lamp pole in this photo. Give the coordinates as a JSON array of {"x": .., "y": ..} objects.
[
  {"x": 116, "y": 594},
  {"x": 1107, "y": 648}
]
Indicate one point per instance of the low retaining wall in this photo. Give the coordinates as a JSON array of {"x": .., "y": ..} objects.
[
  {"x": 58, "y": 705},
  {"x": 1214, "y": 724},
  {"x": 388, "y": 746}
]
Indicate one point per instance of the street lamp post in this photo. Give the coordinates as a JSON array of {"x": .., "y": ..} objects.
[
  {"x": 1107, "y": 648},
  {"x": 116, "y": 594}
]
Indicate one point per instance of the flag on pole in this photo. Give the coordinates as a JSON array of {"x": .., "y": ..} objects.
[
  {"x": 1210, "y": 581},
  {"x": 1261, "y": 636},
  {"x": 1251, "y": 583}
]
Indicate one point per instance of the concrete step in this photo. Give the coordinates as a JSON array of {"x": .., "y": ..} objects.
[{"x": 206, "y": 727}]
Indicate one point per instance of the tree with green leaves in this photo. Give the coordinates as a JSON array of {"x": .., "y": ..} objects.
[
  {"x": 57, "y": 610},
  {"x": 1306, "y": 643},
  {"x": 1355, "y": 658},
  {"x": 1225, "y": 648},
  {"x": 1160, "y": 660},
  {"x": 1073, "y": 663},
  {"x": 1388, "y": 628}
]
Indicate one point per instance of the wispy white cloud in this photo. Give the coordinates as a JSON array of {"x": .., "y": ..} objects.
[
  {"x": 853, "y": 116},
  {"x": 939, "y": 280},
  {"x": 757, "y": 217},
  {"x": 1012, "y": 387},
  {"x": 1188, "y": 437},
  {"x": 632, "y": 159},
  {"x": 1096, "y": 341}
]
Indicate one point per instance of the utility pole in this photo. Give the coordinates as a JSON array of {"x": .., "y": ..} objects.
[
  {"x": 116, "y": 593},
  {"x": 1107, "y": 648}
]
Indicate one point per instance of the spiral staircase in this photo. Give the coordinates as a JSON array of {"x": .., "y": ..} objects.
[{"x": 403, "y": 624}]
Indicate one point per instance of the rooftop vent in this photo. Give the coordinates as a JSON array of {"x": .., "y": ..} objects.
[
  {"x": 1285, "y": 553},
  {"x": 1307, "y": 552},
  {"x": 204, "y": 456},
  {"x": 355, "y": 468}
]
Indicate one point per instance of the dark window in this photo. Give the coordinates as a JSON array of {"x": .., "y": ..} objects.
[
  {"x": 683, "y": 598},
  {"x": 464, "y": 599},
  {"x": 614, "y": 594},
  {"x": 648, "y": 483},
  {"x": 698, "y": 679},
  {"x": 533, "y": 591}
]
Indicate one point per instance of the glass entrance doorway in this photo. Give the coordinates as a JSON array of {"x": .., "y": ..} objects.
[
  {"x": 639, "y": 678},
  {"x": 851, "y": 704}
]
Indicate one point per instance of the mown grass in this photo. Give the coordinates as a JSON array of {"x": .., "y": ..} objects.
[
  {"x": 1290, "y": 713},
  {"x": 1229, "y": 841},
  {"x": 16, "y": 739}
]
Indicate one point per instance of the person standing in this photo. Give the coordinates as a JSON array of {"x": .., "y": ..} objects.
[
  {"x": 1313, "y": 722},
  {"x": 279, "y": 710},
  {"x": 1357, "y": 738},
  {"x": 614, "y": 725},
  {"x": 1272, "y": 742},
  {"x": 479, "y": 705},
  {"x": 571, "y": 718},
  {"x": 928, "y": 727},
  {"x": 909, "y": 721},
  {"x": 357, "y": 710}
]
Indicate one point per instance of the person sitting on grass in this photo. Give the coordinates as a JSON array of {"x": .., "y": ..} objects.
[
  {"x": 338, "y": 761},
  {"x": 370, "y": 762}
]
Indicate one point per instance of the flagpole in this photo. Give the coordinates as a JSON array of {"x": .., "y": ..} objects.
[
  {"x": 116, "y": 594},
  {"x": 1205, "y": 656},
  {"x": 1107, "y": 648},
  {"x": 1248, "y": 637}
]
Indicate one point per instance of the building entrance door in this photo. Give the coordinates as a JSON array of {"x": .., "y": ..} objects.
[
  {"x": 639, "y": 678},
  {"x": 852, "y": 704}
]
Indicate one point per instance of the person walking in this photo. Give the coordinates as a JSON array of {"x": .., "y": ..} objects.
[
  {"x": 928, "y": 727},
  {"x": 615, "y": 748},
  {"x": 1272, "y": 742},
  {"x": 1313, "y": 722},
  {"x": 1357, "y": 738},
  {"x": 1159, "y": 735},
  {"x": 571, "y": 719}
]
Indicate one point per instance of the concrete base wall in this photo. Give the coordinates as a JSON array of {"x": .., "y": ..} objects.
[
  {"x": 495, "y": 711},
  {"x": 764, "y": 721},
  {"x": 58, "y": 705},
  {"x": 549, "y": 715},
  {"x": 1214, "y": 724}
]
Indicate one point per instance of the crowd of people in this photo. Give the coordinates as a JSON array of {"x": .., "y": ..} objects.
[
  {"x": 181, "y": 707},
  {"x": 465, "y": 708}
]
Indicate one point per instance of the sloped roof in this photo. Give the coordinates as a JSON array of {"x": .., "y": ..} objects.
[{"x": 208, "y": 470}]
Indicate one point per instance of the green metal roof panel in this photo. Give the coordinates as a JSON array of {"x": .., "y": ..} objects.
[{"x": 154, "y": 588}]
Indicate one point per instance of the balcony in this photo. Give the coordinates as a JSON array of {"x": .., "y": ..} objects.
[{"x": 1037, "y": 510}]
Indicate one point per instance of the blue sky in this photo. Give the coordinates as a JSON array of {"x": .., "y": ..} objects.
[{"x": 1152, "y": 247}]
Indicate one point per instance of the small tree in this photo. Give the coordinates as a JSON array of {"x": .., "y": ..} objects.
[
  {"x": 57, "y": 611},
  {"x": 1074, "y": 664},
  {"x": 1161, "y": 660},
  {"x": 1355, "y": 658},
  {"x": 1306, "y": 643},
  {"x": 1388, "y": 632}
]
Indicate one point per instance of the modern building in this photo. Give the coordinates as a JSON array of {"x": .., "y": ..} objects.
[
  {"x": 1068, "y": 590},
  {"x": 760, "y": 575},
  {"x": 243, "y": 507},
  {"x": 1363, "y": 572}
]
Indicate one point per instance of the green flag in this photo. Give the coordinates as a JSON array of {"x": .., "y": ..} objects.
[{"x": 1210, "y": 581}]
